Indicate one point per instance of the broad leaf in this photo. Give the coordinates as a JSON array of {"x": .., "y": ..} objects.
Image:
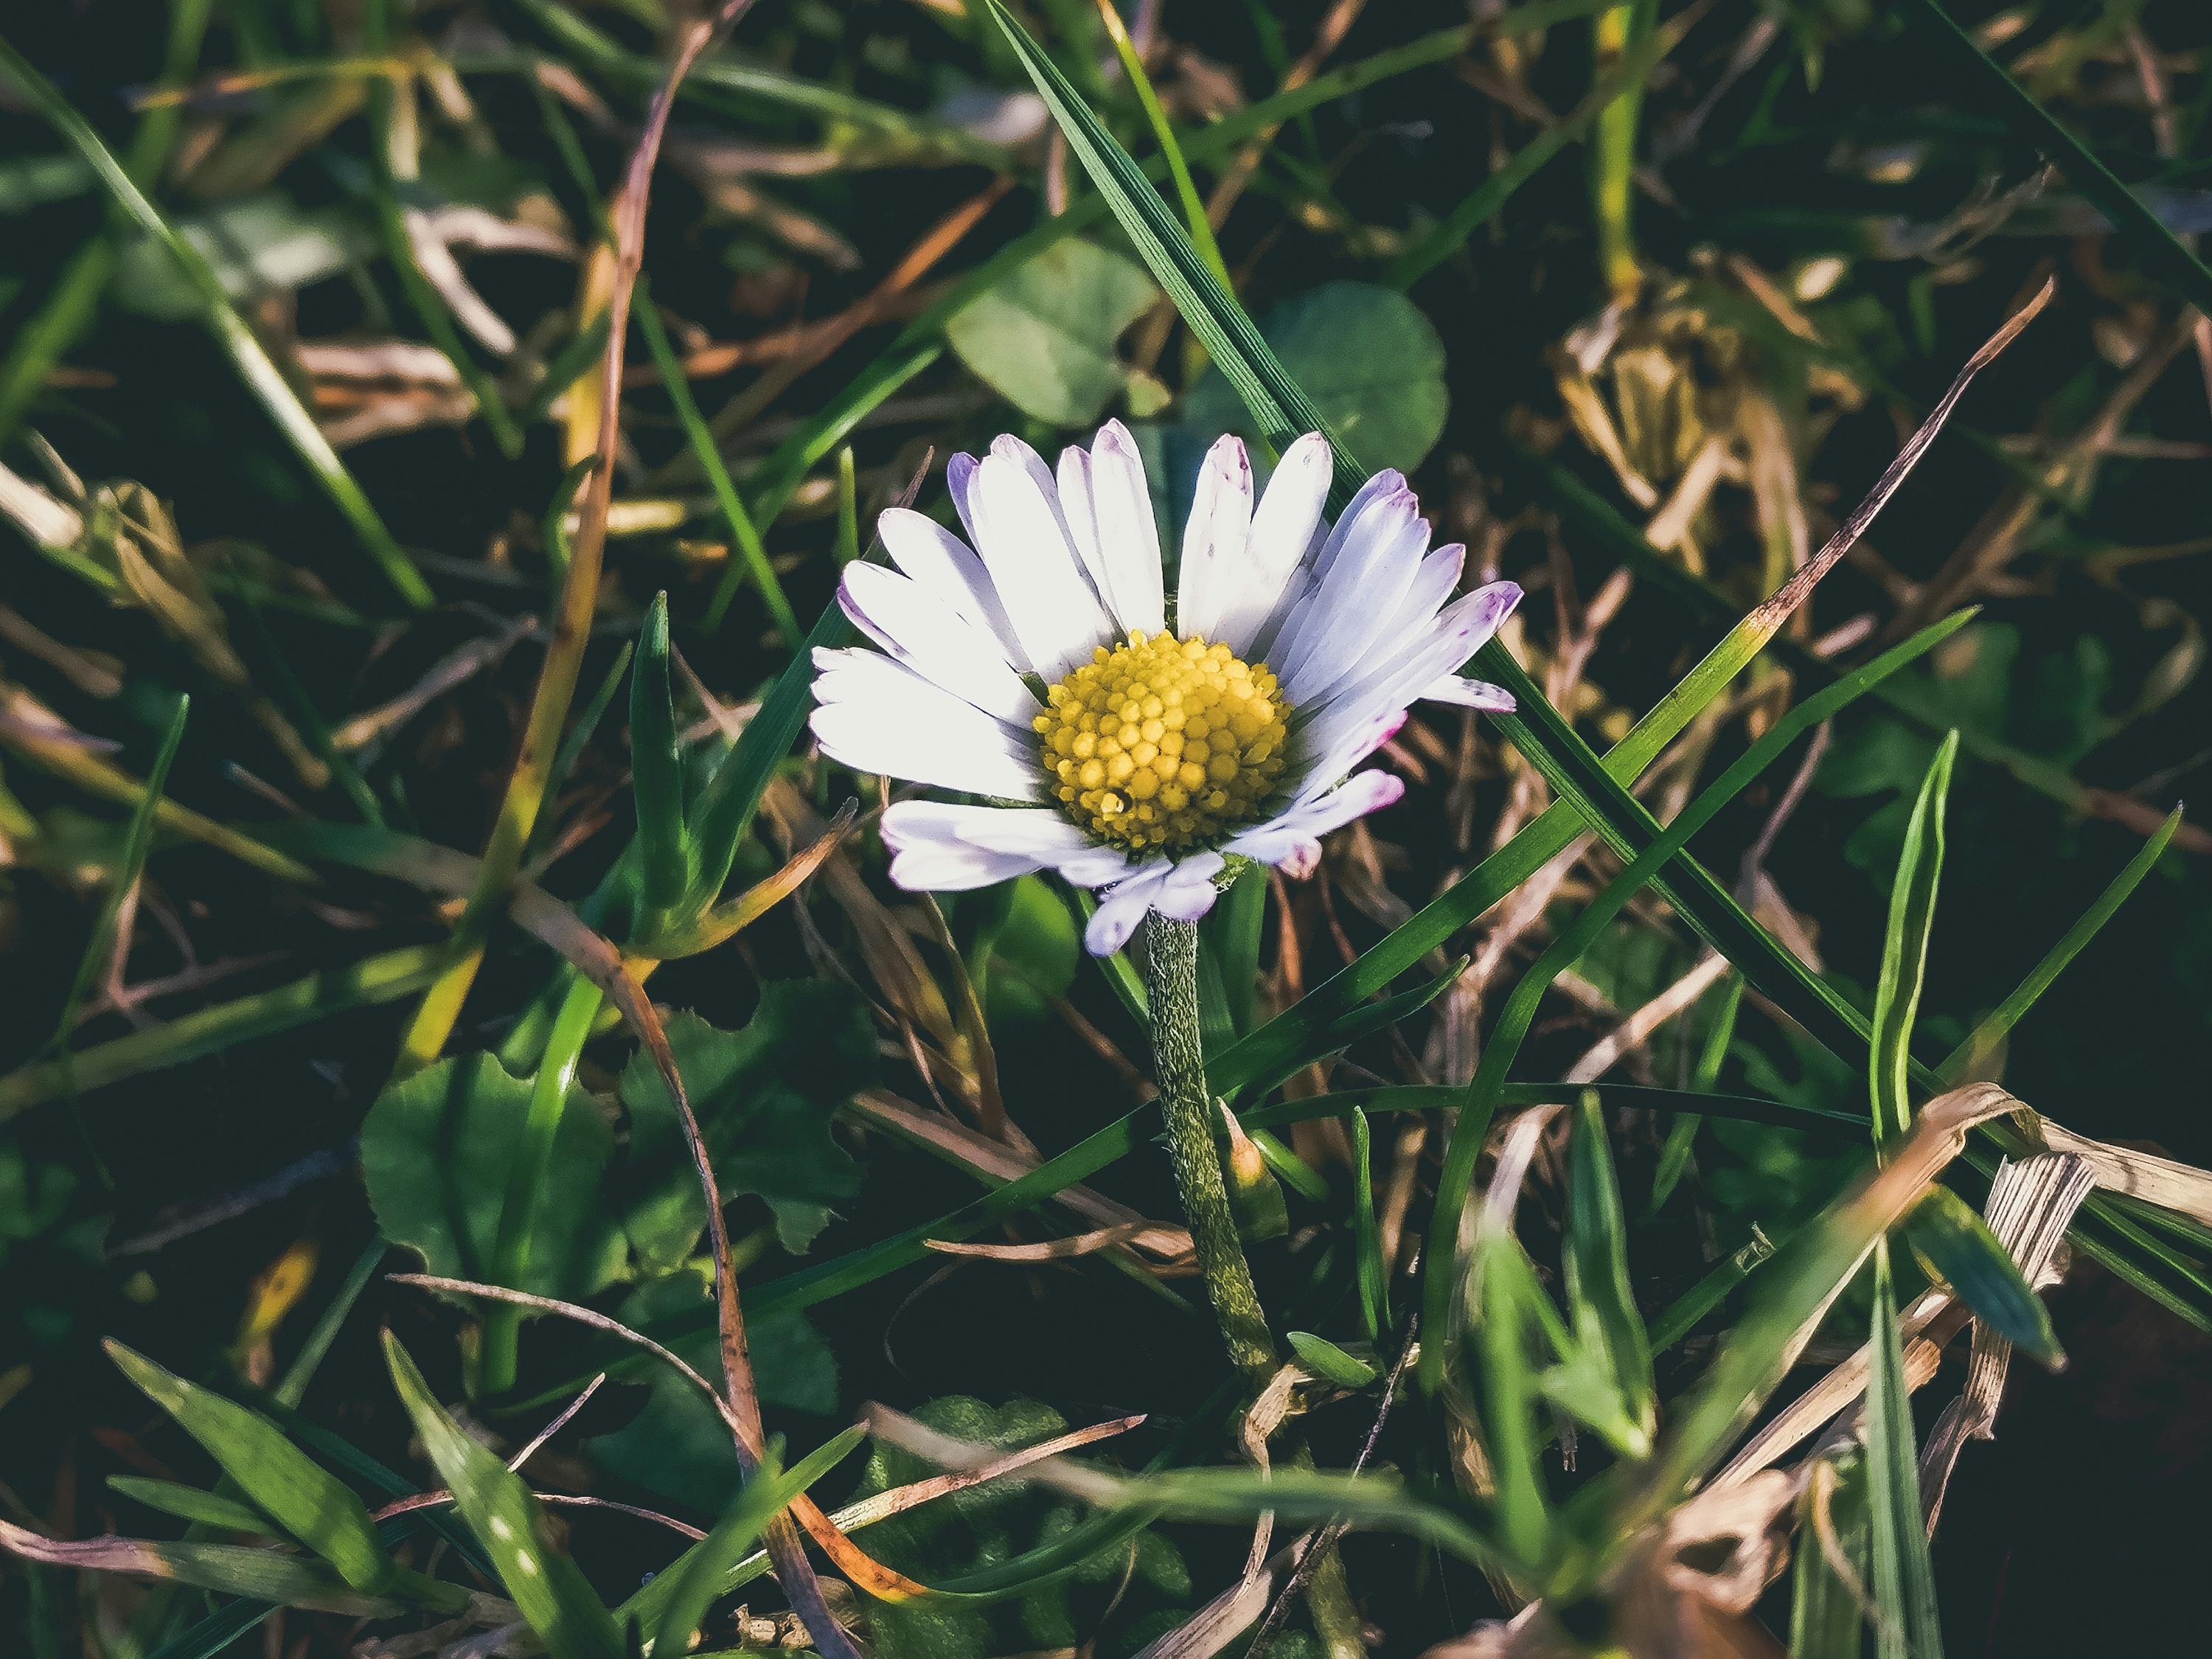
[{"x": 1043, "y": 337}]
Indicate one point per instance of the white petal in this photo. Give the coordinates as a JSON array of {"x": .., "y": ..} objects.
[
  {"x": 933, "y": 866},
  {"x": 1041, "y": 835},
  {"x": 1470, "y": 694},
  {"x": 935, "y": 641},
  {"x": 949, "y": 568},
  {"x": 1121, "y": 910},
  {"x": 1339, "y": 741},
  {"x": 1293, "y": 838},
  {"x": 1460, "y": 631},
  {"x": 1357, "y": 599},
  {"x": 1286, "y": 528},
  {"x": 1376, "y": 492},
  {"x": 960, "y": 484},
  {"x": 877, "y": 716},
  {"x": 1034, "y": 567},
  {"x": 1188, "y": 892},
  {"x": 1081, "y": 514},
  {"x": 1128, "y": 535},
  {"x": 1215, "y": 540}
]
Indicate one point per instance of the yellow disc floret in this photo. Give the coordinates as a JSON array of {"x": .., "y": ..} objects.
[{"x": 1162, "y": 743}]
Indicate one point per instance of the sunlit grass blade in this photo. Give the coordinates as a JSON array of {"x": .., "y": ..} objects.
[
  {"x": 547, "y": 1586},
  {"x": 1983, "y": 1043},
  {"x": 1907, "y": 1625},
  {"x": 311, "y": 1503},
  {"x": 1366, "y": 1236},
  {"x": 203, "y": 1509},
  {"x": 1509, "y": 1393},
  {"x": 1905, "y": 951},
  {"x": 255, "y": 363},
  {"x": 1193, "y": 209}
]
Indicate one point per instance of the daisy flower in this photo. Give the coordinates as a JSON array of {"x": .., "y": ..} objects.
[{"x": 1131, "y": 741}]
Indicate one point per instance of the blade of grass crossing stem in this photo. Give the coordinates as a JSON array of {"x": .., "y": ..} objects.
[
  {"x": 202, "y": 1509},
  {"x": 1905, "y": 953},
  {"x": 1596, "y": 1260},
  {"x": 1193, "y": 209},
  {"x": 681, "y": 1593},
  {"x": 1983, "y": 1043},
  {"x": 137, "y": 842},
  {"x": 1624, "y": 77},
  {"x": 258, "y": 368},
  {"x": 2126, "y": 211},
  {"x": 311, "y": 1503},
  {"x": 656, "y": 764},
  {"x": 1906, "y": 1626},
  {"x": 745, "y": 536},
  {"x": 545, "y": 1585},
  {"x": 1281, "y": 410},
  {"x": 1682, "y": 1136},
  {"x": 1366, "y": 1234}
]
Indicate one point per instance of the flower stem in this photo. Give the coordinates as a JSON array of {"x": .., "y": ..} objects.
[{"x": 1187, "y": 1106}]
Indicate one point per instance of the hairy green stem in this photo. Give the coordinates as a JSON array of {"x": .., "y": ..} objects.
[{"x": 1187, "y": 1110}]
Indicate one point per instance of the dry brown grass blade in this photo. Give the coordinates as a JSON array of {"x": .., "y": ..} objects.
[
  {"x": 141, "y": 1558},
  {"x": 1051, "y": 1249},
  {"x": 2031, "y": 1203}
]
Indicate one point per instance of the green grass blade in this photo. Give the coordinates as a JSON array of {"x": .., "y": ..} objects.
[
  {"x": 544, "y": 1584},
  {"x": 137, "y": 843},
  {"x": 309, "y": 1502},
  {"x": 1627, "y": 75},
  {"x": 1905, "y": 953},
  {"x": 2158, "y": 248},
  {"x": 656, "y": 770},
  {"x": 1824, "y": 1613},
  {"x": 1681, "y": 1138},
  {"x": 1596, "y": 1253},
  {"x": 1366, "y": 1233},
  {"x": 694, "y": 1581},
  {"x": 259, "y": 370},
  {"x": 1981, "y": 1043},
  {"x": 1193, "y": 209},
  {"x": 205, "y": 1508},
  {"x": 1281, "y": 410},
  {"x": 1955, "y": 1240},
  {"x": 1510, "y": 1392},
  {"x": 1907, "y": 1626},
  {"x": 751, "y": 553}
]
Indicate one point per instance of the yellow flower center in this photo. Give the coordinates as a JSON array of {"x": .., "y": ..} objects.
[{"x": 1163, "y": 742}]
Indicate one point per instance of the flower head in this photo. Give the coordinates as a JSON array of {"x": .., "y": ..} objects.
[{"x": 1138, "y": 747}]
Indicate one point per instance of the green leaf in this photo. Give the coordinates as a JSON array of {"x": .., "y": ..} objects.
[
  {"x": 256, "y": 245},
  {"x": 1904, "y": 1582},
  {"x": 1510, "y": 1391},
  {"x": 309, "y": 1502},
  {"x": 205, "y": 1508},
  {"x": 1367, "y": 356},
  {"x": 694, "y": 1581},
  {"x": 1034, "y": 954},
  {"x": 1601, "y": 1305},
  {"x": 1325, "y": 1359},
  {"x": 1951, "y": 1237},
  {"x": 1043, "y": 337},
  {"x": 436, "y": 1150},
  {"x": 1905, "y": 953},
  {"x": 665, "y": 853},
  {"x": 545, "y": 1584},
  {"x": 763, "y": 1096}
]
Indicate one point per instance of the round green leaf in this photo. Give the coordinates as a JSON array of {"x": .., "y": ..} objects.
[{"x": 1043, "y": 337}]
